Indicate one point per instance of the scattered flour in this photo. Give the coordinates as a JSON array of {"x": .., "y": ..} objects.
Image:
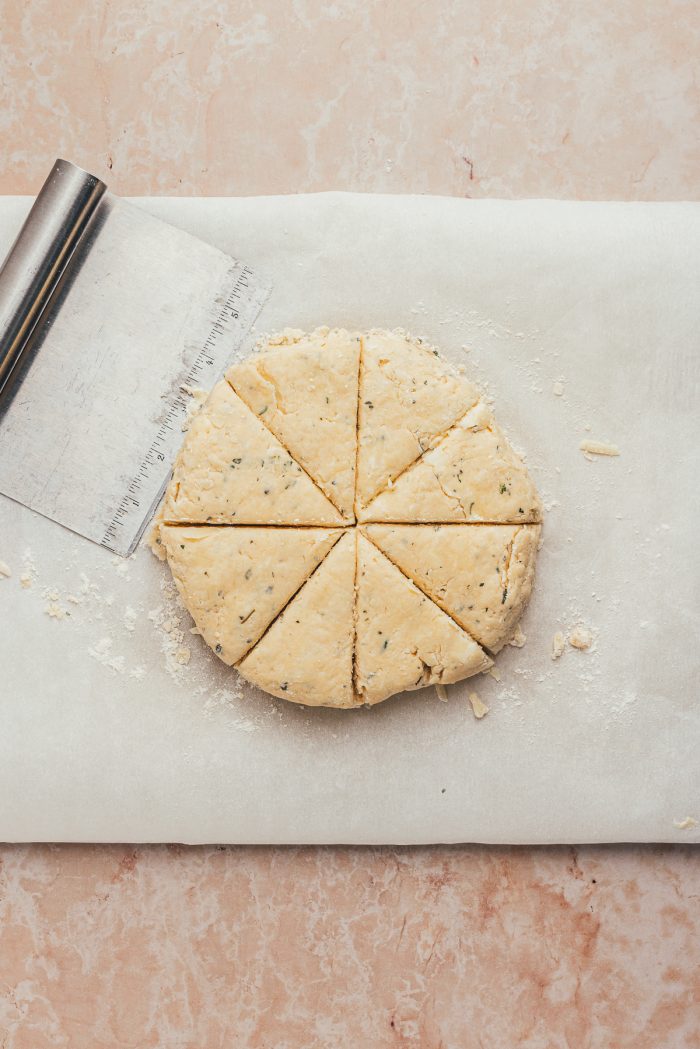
[
  {"x": 101, "y": 652},
  {"x": 29, "y": 570}
]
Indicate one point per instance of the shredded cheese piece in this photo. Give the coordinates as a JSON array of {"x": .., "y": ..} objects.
[
  {"x": 599, "y": 448},
  {"x": 478, "y": 706},
  {"x": 558, "y": 645},
  {"x": 441, "y": 693},
  {"x": 686, "y": 824}
]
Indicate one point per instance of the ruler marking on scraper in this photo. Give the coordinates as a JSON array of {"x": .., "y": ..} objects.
[
  {"x": 90, "y": 436},
  {"x": 155, "y": 467}
]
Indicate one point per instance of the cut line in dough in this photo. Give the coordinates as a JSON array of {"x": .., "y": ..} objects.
[{"x": 232, "y": 470}]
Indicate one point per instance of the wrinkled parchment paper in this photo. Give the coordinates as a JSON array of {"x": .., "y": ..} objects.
[{"x": 581, "y": 321}]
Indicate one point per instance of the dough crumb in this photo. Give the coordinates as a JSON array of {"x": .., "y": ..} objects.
[
  {"x": 153, "y": 540},
  {"x": 441, "y": 693},
  {"x": 685, "y": 824},
  {"x": 478, "y": 706},
  {"x": 182, "y": 656},
  {"x": 558, "y": 645},
  {"x": 56, "y": 611},
  {"x": 494, "y": 673},
  {"x": 581, "y": 638},
  {"x": 598, "y": 448},
  {"x": 5, "y": 570},
  {"x": 518, "y": 639},
  {"x": 558, "y": 389},
  {"x": 198, "y": 397},
  {"x": 130, "y": 617}
]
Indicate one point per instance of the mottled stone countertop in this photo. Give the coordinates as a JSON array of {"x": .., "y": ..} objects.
[{"x": 420, "y": 948}]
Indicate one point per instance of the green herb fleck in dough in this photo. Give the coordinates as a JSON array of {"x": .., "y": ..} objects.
[
  {"x": 503, "y": 489},
  {"x": 505, "y": 595}
]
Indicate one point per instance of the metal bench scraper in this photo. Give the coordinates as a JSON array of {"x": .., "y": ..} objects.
[{"x": 107, "y": 317}]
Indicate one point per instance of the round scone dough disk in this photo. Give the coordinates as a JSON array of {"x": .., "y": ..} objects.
[{"x": 346, "y": 520}]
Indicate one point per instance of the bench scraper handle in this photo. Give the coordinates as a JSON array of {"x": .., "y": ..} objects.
[{"x": 40, "y": 256}]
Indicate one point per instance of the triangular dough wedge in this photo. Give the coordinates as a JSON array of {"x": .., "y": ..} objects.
[
  {"x": 404, "y": 641},
  {"x": 232, "y": 470},
  {"x": 481, "y": 575},
  {"x": 234, "y": 581},
  {"x": 304, "y": 389},
  {"x": 306, "y": 655},
  {"x": 473, "y": 474},
  {"x": 408, "y": 398}
]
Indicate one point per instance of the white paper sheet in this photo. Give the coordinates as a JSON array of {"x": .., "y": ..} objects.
[{"x": 105, "y": 737}]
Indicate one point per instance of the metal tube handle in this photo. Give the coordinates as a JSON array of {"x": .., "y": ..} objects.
[{"x": 40, "y": 254}]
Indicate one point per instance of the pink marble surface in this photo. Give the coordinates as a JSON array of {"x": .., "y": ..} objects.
[{"x": 443, "y": 948}]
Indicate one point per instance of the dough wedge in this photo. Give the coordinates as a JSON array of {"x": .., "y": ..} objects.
[
  {"x": 473, "y": 474},
  {"x": 481, "y": 575},
  {"x": 307, "y": 654},
  {"x": 304, "y": 388},
  {"x": 404, "y": 641},
  {"x": 234, "y": 581},
  {"x": 232, "y": 470},
  {"x": 408, "y": 399}
]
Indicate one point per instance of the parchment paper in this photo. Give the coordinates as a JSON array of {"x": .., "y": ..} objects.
[{"x": 105, "y": 736}]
